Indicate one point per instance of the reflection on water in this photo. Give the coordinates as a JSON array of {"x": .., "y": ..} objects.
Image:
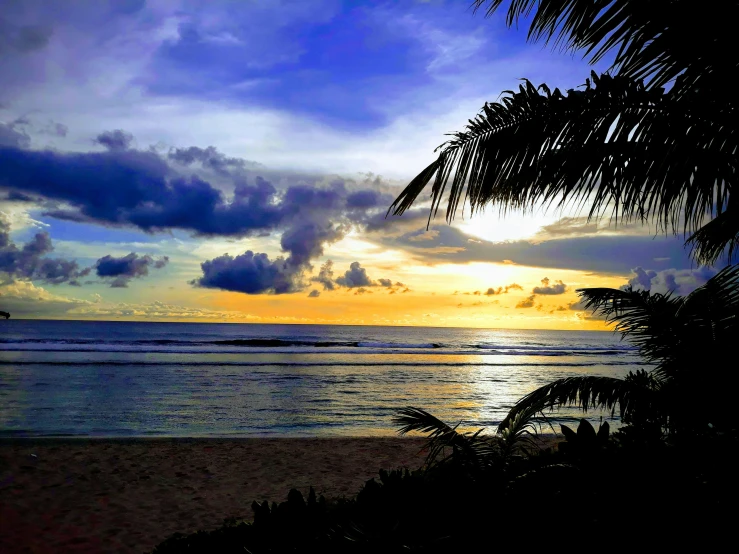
[{"x": 303, "y": 391}]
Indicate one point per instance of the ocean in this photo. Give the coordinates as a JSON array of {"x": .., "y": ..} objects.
[{"x": 130, "y": 379}]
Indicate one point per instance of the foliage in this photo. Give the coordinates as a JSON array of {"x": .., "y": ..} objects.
[
  {"x": 687, "y": 338},
  {"x": 655, "y": 139},
  {"x": 585, "y": 441},
  {"x": 441, "y": 508}
]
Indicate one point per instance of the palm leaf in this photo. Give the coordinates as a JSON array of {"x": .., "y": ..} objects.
[
  {"x": 586, "y": 392},
  {"x": 472, "y": 449},
  {"x": 710, "y": 242},
  {"x": 647, "y": 38},
  {"x": 646, "y": 320},
  {"x": 628, "y": 152}
]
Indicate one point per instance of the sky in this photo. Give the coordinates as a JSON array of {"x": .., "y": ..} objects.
[{"x": 233, "y": 161}]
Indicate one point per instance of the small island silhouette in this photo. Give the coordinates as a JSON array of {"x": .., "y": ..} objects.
[{"x": 6, "y": 315}]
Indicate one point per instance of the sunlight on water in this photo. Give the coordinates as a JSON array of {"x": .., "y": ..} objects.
[{"x": 129, "y": 379}]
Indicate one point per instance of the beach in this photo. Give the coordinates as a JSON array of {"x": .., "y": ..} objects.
[{"x": 128, "y": 495}]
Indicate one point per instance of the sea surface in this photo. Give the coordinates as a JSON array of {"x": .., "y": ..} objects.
[{"x": 75, "y": 378}]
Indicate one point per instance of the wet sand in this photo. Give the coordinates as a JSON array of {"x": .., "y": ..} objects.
[{"x": 128, "y": 495}]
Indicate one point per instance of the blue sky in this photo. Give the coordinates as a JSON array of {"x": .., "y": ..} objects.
[{"x": 146, "y": 127}]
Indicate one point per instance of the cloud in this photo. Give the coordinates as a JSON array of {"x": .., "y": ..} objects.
[
  {"x": 115, "y": 141},
  {"x": 365, "y": 199},
  {"x": 22, "y": 39},
  {"x": 11, "y": 135},
  {"x": 135, "y": 188},
  {"x": 314, "y": 294},
  {"x": 124, "y": 187},
  {"x": 385, "y": 282},
  {"x": 153, "y": 310},
  {"x": 676, "y": 281},
  {"x": 326, "y": 276},
  {"x": 424, "y": 236},
  {"x": 23, "y": 298},
  {"x": 503, "y": 290},
  {"x": 208, "y": 158},
  {"x": 121, "y": 270},
  {"x": 557, "y": 288},
  {"x": 527, "y": 303},
  {"x": 30, "y": 261},
  {"x": 250, "y": 273},
  {"x": 355, "y": 276},
  {"x": 603, "y": 254}
]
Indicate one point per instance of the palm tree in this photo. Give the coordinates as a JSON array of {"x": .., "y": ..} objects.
[
  {"x": 654, "y": 139},
  {"x": 690, "y": 341}
]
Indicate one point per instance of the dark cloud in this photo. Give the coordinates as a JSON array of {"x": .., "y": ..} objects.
[
  {"x": 209, "y": 158},
  {"x": 128, "y": 187},
  {"x": 314, "y": 294},
  {"x": 604, "y": 254},
  {"x": 30, "y": 261},
  {"x": 527, "y": 303},
  {"x": 22, "y": 38},
  {"x": 119, "y": 271},
  {"x": 13, "y": 136},
  {"x": 304, "y": 240},
  {"x": 249, "y": 273},
  {"x": 355, "y": 276},
  {"x": 365, "y": 199},
  {"x": 16, "y": 196},
  {"x": 115, "y": 141},
  {"x": 326, "y": 276},
  {"x": 557, "y": 288},
  {"x": 385, "y": 282}
]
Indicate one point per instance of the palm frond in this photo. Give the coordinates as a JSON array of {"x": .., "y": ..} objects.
[
  {"x": 520, "y": 433},
  {"x": 647, "y": 320},
  {"x": 710, "y": 242},
  {"x": 646, "y": 37},
  {"x": 626, "y": 151},
  {"x": 469, "y": 448},
  {"x": 586, "y": 392}
]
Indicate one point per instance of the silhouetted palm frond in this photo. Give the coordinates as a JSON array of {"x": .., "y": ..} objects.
[
  {"x": 624, "y": 145},
  {"x": 676, "y": 333},
  {"x": 626, "y": 151},
  {"x": 586, "y": 392},
  {"x": 469, "y": 448},
  {"x": 657, "y": 40},
  {"x": 520, "y": 433},
  {"x": 647, "y": 320}
]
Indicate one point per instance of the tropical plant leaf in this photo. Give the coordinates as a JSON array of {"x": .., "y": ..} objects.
[
  {"x": 647, "y": 38},
  {"x": 628, "y": 152},
  {"x": 585, "y": 392},
  {"x": 440, "y": 434}
]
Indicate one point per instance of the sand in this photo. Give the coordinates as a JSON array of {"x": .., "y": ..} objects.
[{"x": 128, "y": 495}]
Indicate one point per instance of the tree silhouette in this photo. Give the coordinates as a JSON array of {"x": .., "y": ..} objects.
[
  {"x": 653, "y": 140},
  {"x": 689, "y": 339}
]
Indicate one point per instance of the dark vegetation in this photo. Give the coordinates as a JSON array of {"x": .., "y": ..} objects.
[{"x": 653, "y": 140}]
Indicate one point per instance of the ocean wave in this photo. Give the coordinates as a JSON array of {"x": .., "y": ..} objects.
[
  {"x": 106, "y": 363},
  {"x": 304, "y": 346}
]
